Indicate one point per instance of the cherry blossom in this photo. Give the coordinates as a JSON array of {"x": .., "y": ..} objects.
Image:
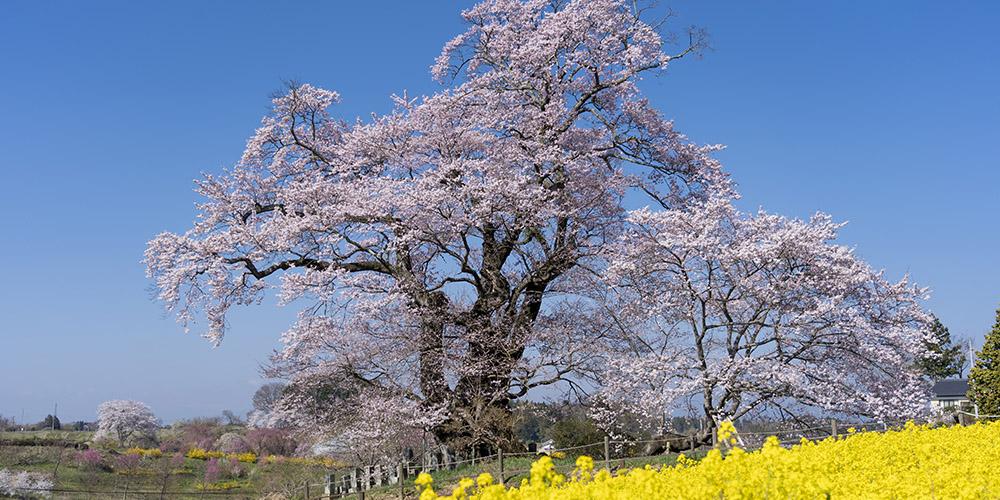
[
  {"x": 430, "y": 251},
  {"x": 740, "y": 313},
  {"x": 123, "y": 420}
]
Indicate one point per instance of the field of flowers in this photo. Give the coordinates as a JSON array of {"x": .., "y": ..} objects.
[{"x": 912, "y": 462}]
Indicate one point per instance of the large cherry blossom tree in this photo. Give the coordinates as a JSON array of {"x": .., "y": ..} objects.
[
  {"x": 475, "y": 244},
  {"x": 124, "y": 421},
  {"x": 735, "y": 314},
  {"x": 432, "y": 250}
]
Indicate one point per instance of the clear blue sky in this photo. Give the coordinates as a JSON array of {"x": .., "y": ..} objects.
[{"x": 884, "y": 114}]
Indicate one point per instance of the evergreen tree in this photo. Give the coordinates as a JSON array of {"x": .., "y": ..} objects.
[
  {"x": 984, "y": 379},
  {"x": 50, "y": 422},
  {"x": 946, "y": 359}
]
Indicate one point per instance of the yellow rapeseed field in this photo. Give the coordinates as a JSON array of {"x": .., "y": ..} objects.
[{"x": 911, "y": 463}]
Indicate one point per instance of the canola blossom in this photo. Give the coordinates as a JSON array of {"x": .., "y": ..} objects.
[{"x": 912, "y": 462}]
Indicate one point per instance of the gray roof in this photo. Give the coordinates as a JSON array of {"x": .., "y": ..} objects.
[{"x": 951, "y": 388}]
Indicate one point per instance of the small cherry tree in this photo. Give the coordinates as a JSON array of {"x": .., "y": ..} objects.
[
  {"x": 124, "y": 421},
  {"x": 738, "y": 313}
]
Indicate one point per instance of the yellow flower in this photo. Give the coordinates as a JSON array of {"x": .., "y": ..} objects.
[
  {"x": 913, "y": 462},
  {"x": 727, "y": 432},
  {"x": 484, "y": 480},
  {"x": 424, "y": 480}
]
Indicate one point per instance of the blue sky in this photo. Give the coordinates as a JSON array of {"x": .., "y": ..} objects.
[{"x": 882, "y": 115}]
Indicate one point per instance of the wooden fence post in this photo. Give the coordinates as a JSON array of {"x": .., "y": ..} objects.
[
  {"x": 500, "y": 457},
  {"x": 401, "y": 479},
  {"x": 833, "y": 428},
  {"x": 607, "y": 453}
]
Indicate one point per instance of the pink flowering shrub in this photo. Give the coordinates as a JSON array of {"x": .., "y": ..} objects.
[
  {"x": 90, "y": 459},
  {"x": 128, "y": 463},
  {"x": 233, "y": 469},
  {"x": 265, "y": 441},
  {"x": 212, "y": 471}
]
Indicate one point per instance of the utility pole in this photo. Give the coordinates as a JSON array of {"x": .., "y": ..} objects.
[
  {"x": 972, "y": 364},
  {"x": 972, "y": 356}
]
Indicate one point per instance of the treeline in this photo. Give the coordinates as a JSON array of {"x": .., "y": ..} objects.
[{"x": 50, "y": 422}]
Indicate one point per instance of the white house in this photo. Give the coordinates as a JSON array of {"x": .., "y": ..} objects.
[{"x": 950, "y": 395}]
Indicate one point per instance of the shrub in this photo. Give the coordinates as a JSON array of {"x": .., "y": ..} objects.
[
  {"x": 268, "y": 441},
  {"x": 212, "y": 470},
  {"x": 128, "y": 463},
  {"x": 145, "y": 452},
  {"x": 247, "y": 457},
  {"x": 177, "y": 460},
  {"x": 327, "y": 462},
  {"x": 202, "y": 454},
  {"x": 90, "y": 459},
  {"x": 233, "y": 469},
  {"x": 218, "y": 486},
  {"x": 231, "y": 442},
  {"x": 195, "y": 433}
]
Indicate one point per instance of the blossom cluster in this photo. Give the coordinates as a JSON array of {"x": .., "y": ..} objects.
[
  {"x": 912, "y": 462},
  {"x": 24, "y": 484}
]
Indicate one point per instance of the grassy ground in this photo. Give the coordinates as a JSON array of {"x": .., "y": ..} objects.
[
  {"x": 151, "y": 476},
  {"x": 45, "y": 438},
  {"x": 53, "y": 454}
]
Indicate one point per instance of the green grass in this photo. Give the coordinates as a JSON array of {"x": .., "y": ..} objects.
[
  {"x": 45, "y": 438},
  {"x": 157, "y": 474},
  {"x": 154, "y": 475}
]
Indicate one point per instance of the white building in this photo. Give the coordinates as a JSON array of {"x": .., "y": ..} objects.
[{"x": 951, "y": 395}]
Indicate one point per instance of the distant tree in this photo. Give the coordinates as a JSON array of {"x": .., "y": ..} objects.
[
  {"x": 574, "y": 427},
  {"x": 944, "y": 358},
  {"x": 49, "y": 422},
  {"x": 123, "y": 421},
  {"x": 6, "y": 423},
  {"x": 267, "y": 396},
  {"x": 984, "y": 378},
  {"x": 270, "y": 441},
  {"x": 531, "y": 421},
  {"x": 231, "y": 418},
  {"x": 200, "y": 432}
]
